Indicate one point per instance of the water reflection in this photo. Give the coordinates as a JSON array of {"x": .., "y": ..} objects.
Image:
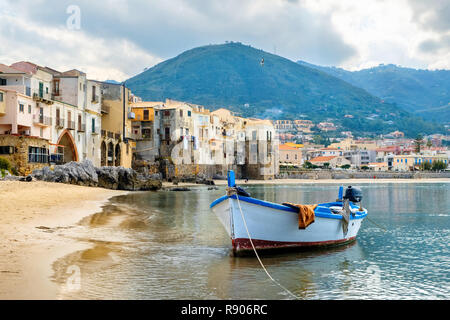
[{"x": 169, "y": 245}]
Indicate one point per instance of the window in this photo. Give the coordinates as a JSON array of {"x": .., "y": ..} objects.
[
  {"x": 56, "y": 87},
  {"x": 29, "y": 108},
  {"x": 37, "y": 155},
  {"x": 21, "y": 107},
  {"x": 167, "y": 133},
  {"x": 189, "y": 113},
  {"x": 46, "y": 90},
  {"x": 93, "y": 125},
  {"x": 1, "y": 96},
  {"x": 6, "y": 150},
  {"x": 166, "y": 113},
  {"x": 181, "y": 113},
  {"x": 146, "y": 115},
  {"x": 41, "y": 132}
]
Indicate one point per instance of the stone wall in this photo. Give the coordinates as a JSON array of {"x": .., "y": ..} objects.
[
  {"x": 19, "y": 159},
  {"x": 328, "y": 174}
]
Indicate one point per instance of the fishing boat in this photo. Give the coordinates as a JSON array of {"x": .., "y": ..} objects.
[{"x": 255, "y": 224}]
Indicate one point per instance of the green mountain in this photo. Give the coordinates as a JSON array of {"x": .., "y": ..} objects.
[
  {"x": 423, "y": 92},
  {"x": 255, "y": 83}
]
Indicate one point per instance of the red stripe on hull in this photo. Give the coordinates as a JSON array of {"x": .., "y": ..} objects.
[{"x": 242, "y": 244}]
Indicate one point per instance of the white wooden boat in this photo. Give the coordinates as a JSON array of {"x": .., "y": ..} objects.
[{"x": 272, "y": 226}]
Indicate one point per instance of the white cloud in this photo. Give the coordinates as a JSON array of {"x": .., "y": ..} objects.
[{"x": 63, "y": 49}]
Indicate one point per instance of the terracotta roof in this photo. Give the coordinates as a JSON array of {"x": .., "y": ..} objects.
[
  {"x": 285, "y": 147},
  {"x": 322, "y": 159},
  {"x": 5, "y": 69}
]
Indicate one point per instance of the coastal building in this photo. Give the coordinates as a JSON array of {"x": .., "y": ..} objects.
[
  {"x": 117, "y": 139},
  {"x": 350, "y": 144},
  {"x": 360, "y": 158},
  {"x": 378, "y": 166},
  {"x": 327, "y": 126},
  {"x": 303, "y": 125},
  {"x": 145, "y": 130},
  {"x": 327, "y": 152},
  {"x": 25, "y": 116},
  {"x": 290, "y": 155},
  {"x": 410, "y": 162},
  {"x": 283, "y": 125},
  {"x": 77, "y": 117},
  {"x": 330, "y": 161}
]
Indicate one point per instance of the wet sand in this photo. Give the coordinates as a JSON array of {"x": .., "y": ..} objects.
[{"x": 34, "y": 219}]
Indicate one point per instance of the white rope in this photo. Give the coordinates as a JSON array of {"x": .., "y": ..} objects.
[{"x": 256, "y": 253}]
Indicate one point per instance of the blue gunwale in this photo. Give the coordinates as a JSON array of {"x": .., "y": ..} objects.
[{"x": 321, "y": 211}]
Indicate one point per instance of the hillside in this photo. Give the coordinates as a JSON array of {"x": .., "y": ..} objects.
[
  {"x": 425, "y": 92},
  {"x": 231, "y": 75}
]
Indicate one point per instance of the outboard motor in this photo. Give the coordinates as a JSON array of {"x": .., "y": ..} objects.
[{"x": 353, "y": 194}]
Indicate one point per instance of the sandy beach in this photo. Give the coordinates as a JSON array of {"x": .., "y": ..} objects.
[{"x": 33, "y": 217}]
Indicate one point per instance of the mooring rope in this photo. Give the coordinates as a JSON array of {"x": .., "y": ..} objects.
[
  {"x": 256, "y": 253},
  {"x": 384, "y": 229}
]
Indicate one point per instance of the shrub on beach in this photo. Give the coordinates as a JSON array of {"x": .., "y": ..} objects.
[{"x": 5, "y": 164}]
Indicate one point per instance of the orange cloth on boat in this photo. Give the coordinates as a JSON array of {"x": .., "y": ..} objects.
[{"x": 305, "y": 214}]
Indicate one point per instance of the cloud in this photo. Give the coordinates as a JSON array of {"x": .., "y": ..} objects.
[
  {"x": 432, "y": 14},
  {"x": 166, "y": 28},
  {"x": 438, "y": 45},
  {"x": 58, "y": 47}
]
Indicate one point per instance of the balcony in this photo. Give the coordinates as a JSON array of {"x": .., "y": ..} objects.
[
  {"x": 59, "y": 123},
  {"x": 40, "y": 98},
  {"x": 105, "y": 109},
  {"x": 71, "y": 125},
  {"x": 42, "y": 120},
  {"x": 81, "y": 127}
]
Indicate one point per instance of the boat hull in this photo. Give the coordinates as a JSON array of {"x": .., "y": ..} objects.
[{"x": 273, "y": 226}]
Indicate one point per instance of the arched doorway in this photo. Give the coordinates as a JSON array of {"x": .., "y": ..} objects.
[
  {"x": 117, "y": 156},
  {"x": 103, "y": 154},
  {"x": 110, "y": 154},
  {"x": 70, "y": 149}
]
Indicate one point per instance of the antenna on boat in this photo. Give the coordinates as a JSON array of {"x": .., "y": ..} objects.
[{"x": 231, "y": 179}]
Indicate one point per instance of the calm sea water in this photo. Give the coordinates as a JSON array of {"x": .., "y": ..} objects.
[{"x": 169, "y": 245}]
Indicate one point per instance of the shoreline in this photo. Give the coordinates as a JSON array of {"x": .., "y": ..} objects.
[
  {"x": 310, "y": 181},
  {"x": 34, "y": 222}
]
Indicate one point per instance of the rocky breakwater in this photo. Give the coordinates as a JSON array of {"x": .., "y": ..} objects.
[{"x": 85, "y": 174}]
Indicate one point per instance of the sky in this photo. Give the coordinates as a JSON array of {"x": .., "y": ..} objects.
[{"x": 117, "y": 39}]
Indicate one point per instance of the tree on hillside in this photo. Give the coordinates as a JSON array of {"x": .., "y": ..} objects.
[{"x": 418, "y": 143}]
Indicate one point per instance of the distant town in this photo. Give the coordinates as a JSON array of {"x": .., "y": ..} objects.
[{"x": 50, "y": 117}]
